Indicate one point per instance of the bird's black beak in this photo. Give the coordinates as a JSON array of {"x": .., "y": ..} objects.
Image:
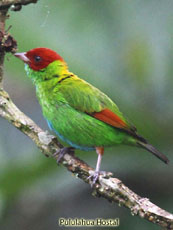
[{"x": 22, "y": 56}]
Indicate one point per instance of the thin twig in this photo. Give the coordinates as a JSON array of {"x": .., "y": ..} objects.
[
  {"x": 3, "y": 14},
  {"x": 5, "y": 4}
]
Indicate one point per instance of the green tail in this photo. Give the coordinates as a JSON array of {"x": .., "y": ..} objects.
[{"x": 154, "y": 151}]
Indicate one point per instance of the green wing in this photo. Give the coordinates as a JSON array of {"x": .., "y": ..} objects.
[{"x": 86, "y": 98}]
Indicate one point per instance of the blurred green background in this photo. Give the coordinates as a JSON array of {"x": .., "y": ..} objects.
[{"x": 125, "y": 48}]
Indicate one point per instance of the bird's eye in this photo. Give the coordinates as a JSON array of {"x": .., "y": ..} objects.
[{"x": 37, "y": 58}]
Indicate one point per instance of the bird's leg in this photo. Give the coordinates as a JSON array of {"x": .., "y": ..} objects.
[
  {"x": 99, "y": 151},
  {"x": 62, "y": 152}
]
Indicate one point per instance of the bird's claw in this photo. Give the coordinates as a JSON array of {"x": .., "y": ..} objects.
[
  {"x": 62, "y": 152},
  {"x": 94, "y": 176}
]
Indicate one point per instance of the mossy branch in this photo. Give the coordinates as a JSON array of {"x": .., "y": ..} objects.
[{"x": 108, "y": 187}]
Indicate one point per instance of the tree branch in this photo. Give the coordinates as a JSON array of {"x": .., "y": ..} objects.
[
  {"x": 6, "y": 4},
  {"x": 3, "y": 14},
  {"x": 108, "y": 187}
]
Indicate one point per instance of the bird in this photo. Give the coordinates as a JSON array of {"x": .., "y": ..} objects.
[{"x": 77, "y": 112}]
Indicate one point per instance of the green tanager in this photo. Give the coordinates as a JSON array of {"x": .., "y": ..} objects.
[{"x": 78, "y": 113}]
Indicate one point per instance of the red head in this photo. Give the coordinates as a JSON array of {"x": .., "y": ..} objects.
[{"x": 39, "y": 58}]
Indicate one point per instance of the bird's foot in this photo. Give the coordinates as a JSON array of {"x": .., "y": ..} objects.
[
  {"x": 62, "y": 152},
  {"x": 94, "y": 176}
]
